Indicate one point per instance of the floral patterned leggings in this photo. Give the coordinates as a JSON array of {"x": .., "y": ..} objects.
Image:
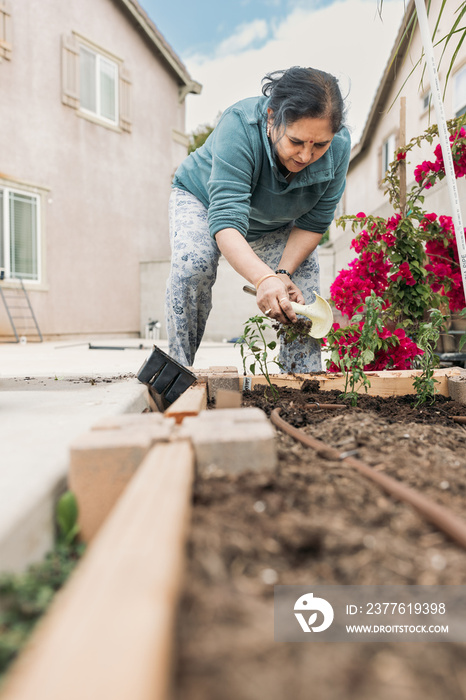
[{"x": 194, "y": 263}]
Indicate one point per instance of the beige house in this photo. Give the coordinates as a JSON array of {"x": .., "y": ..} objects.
[
  {"x": 91, "y": 131},
  {"x": 381, "y": 134}
]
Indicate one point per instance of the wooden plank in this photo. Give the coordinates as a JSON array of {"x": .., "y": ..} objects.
[
  {"x": 109, "y": 632},
  {"x": 385, "y": 383},
  {"x": 190, "y": 403},
  {"x": 402, "y": 163}
]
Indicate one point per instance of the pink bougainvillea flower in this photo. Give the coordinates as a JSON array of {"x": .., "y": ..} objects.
[
  {"x": 398, "y": 351},
  {"x": 405, "y": 273},
  {"x": 389, "y": 239},
  {"x": 401, "y": 156}
]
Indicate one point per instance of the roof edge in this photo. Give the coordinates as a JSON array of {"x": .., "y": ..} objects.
[
  {"x": 397, "y": 56},
  {"x": 188, "y": 85}
]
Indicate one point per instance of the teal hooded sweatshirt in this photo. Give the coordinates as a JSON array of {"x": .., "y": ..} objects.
[{"x": 235, "y": 176}]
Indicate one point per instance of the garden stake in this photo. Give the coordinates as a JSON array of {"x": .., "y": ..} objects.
[
  {"x": 319, "y": 312},
  {"x": 445, "y": 520}
]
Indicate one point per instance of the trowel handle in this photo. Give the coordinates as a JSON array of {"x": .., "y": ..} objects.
[{"x": 249, "y": 290}]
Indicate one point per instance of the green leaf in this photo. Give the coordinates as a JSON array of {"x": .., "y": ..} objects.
[
  {"x": 367, "y": 356},
  {"x": 67, "y": 516}
]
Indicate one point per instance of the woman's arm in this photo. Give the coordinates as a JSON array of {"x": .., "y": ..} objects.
[
  {"x": 274, "y": 293},
  {"x": 299, "y": 247}
]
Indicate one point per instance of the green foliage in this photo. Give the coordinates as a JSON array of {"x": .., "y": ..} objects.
[
  {"x": 454, "y": 36},
  {"x": 362, "y": 351},
  {"x": 254, "y": 349},
  {"x": 462, "y": 342},
  {"x": 427, "y": 339},
  {"x": 67, "y": 517},
  {"x": 26, "y": 596},
  {"x": 325, "y": 238},
  {"x": 199, "y": 137}
]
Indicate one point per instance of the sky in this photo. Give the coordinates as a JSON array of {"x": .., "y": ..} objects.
[{"x": 230, "y": 45}]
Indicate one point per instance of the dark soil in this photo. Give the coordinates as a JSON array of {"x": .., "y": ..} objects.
[{"x": 315, "y": 521}]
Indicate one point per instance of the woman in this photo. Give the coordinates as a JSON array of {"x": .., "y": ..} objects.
[{"x": 261, "y": 191}]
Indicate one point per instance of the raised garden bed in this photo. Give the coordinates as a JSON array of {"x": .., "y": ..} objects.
[
  {"x": 313, "y": 520},
  {"x": 317, "y": 521}
]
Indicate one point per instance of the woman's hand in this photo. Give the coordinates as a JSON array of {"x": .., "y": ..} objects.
[
  {"x": 274, "y": 296},
  {"x": 294, "y": 293},
  {"x": 276, "y": 291}
]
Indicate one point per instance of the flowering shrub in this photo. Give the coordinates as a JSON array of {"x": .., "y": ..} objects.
[
  {"x": 443, "y": 266},
  {"x": 394, "y": 350},
  {"x": 427, "y": 173},
  {"x": 409, "y": 261}
]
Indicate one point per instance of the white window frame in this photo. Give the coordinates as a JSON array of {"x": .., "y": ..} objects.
[
  {"x": 7, "y": 191},
  {"x": 426, "y": 101},
  {"x": 388, "y": 152},
  {"x": 5, "y": 30},
  {"x": 99, "y": 59},
  {"x": 70, "y": 75},
  {"x": 459, "y": 106}
]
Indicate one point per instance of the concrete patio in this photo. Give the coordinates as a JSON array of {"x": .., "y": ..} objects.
[{"x": 50, "y": 393}]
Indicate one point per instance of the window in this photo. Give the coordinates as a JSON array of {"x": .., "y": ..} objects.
[
  {"x": 19, "y": 234},
  {"x": 459, "y": 92},
  {"x": 426, "y": 101},
  {"x": 5, "y": 29},
  {"x": 388, "y": 153},
  {"x": 96, "y": 84}
]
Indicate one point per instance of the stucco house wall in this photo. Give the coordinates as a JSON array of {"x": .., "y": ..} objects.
[{"x": 103, "y": 190}]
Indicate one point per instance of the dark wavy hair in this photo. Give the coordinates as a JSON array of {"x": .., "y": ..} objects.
[{"x": 304, "y": 92}]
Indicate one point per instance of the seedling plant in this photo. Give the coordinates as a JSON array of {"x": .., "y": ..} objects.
[
  {"x": 353, "y": 353},
  {"x": 428, "y": 336},
  {"x": 254, "y": 349}
]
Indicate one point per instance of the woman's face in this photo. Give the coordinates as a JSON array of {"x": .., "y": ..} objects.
[{"x": 303, "y": 142}]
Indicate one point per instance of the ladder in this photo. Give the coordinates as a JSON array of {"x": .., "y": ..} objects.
[{"x": 20, "y": 312}]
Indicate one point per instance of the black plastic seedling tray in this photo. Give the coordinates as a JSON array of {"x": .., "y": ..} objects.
[{"x": 165, "y": 377}]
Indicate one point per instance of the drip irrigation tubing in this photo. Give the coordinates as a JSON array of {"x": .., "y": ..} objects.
[
  {"x": 441, "y": 517},
  {"x": 327, "y": 406}
]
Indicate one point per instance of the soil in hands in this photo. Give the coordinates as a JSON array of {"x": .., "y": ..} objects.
[{"x": 315, "y": 521}]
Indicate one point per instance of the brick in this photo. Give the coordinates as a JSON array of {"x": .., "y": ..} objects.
[
  {"x": 228, "y": 381},
  {"x": 457, "y": 388},
  {"x": 231, "y": 445},
  {"x": 102, "y": 462},
  {"x": 221, "y": 377},
  {"x": 228, "y": 399},
  {"x": 249, "y": 414},
  {"x": 225, "y": 369}
]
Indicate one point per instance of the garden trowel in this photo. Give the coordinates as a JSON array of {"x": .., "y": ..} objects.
[{"x": 319, "y": 312}]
